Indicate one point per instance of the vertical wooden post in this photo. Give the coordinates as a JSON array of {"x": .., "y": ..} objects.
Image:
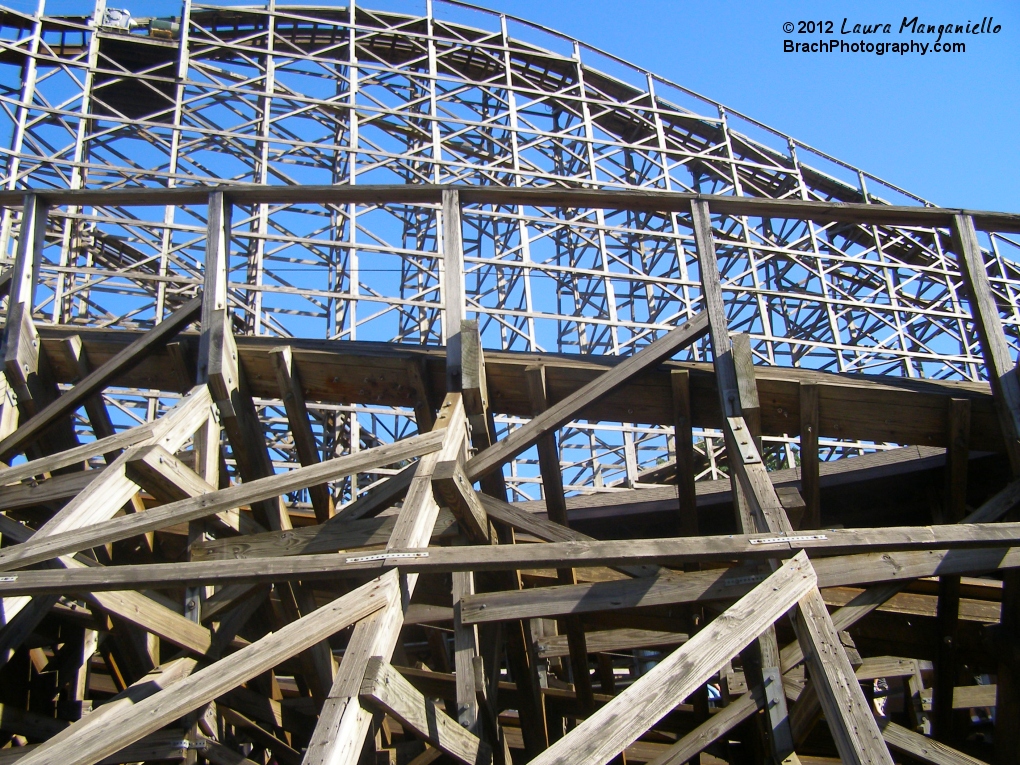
[
  {"x": 465, "y": 649},
  {"x": 852, "y": 726},
  {"x": 220, "y": 368},
  {"x": 687, "y": 519},
  {"x": 809, "y": 485},
  {"x": 760, "y": 657},
  {"x": 25, "y": 363},
  {"x": 556, "y": 505},
  {"x": 1006, "y": 390},
  {"x": 453, "y": 286},
  {"x": 947, "y": 614}
]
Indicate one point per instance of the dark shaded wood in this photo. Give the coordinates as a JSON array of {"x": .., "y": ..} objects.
[
  {"x": 563, "y": 411},
  {"x": 81, "y": 393},
  {"x": 810, "y": 488},
  {"x": 684, "y": 439},
  {"x": 300, "y": 427}
]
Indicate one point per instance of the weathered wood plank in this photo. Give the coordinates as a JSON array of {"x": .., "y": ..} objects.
[
  {"x": 1006, "y": 390},
  {"x": 300, "y": 427},
  {"x": 60, "y": 543},
  {"x": 384, "y": 688},
  {"x": 344, "y": 722},
  {"x": 629, "y": 199},
  {"x": 923, "y": 748},
  {"x": 611, "y": 729},
  {"x": 563, "y": 411},
  {"x": 847, "y": 713},
  {"x": 76, "y": 397},
  {"x": 809, "y": 478},
  {"x": 91, "y": 743},
  {"x": 453, "y": 490},
  {"x": 310, "y": 540},
  {"x": 837, "y": 570},
  {"x": 900, "y": 410}
]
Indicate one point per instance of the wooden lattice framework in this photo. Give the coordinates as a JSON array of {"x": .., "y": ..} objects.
[{"x": 233, "y": 643}]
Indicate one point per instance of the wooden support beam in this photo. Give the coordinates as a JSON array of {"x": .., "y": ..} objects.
[
  {"x": 515, "y": 517},
  {"x": 163, "y": 746},
  {"x": 563, "y": 411},
  {"x": 613, "y": 199},
  {"x": 1005, "y": 383},
  {"x": 743, "y": 707},
  {"x": 680, "y": 383},
  {"x": 454, "y": 301},
  {"x": 556, "y": 508},
  {"x": 77, "y": 454},
  {"x": 344, "y": 722},
  {"x": 384, "y": 688},
  {"x": 809, "y": 458},
  {"x": 300, "y": 426},
  {"x": 948, "y": 611},
  {"x": 160, "y": 678},
  {"x": 998, "y": 359},
  {"x": 847, "y": 712},
  {"x": 734, "y": 370},
  {"x": 453, "y": 490},
  {"x": 900, "y": 409},
  {"x": 62, "y": 542},
  {"x": 610, "y": 730},
  {"x": 465, "y": 651},
  {"x": 853, "y": 728},
  {"x": 90, "y": 743},
  {"x": 95, "y": 407},
  {"x": 310, "y": 540},
  {"x": 220, "y": 369},
  {"x": 94, "y": 383},
  {"x": 166, "y": 478},
  {"x": 719, "y": 724},
  {"x": 26, "y": 365},
  {"x": 104, "y": 497},
  {"x": 489, "y": 718},
  {"x": 923, "y": 748},
  {"x": 385, "y": 495},
  {"x": 936, "y": 552}
]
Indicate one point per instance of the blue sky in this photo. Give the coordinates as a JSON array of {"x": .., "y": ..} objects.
[{"x": 941, "y": 126}]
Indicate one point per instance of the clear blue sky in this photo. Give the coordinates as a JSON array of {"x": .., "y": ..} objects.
[{"x": 944, "y": 127}]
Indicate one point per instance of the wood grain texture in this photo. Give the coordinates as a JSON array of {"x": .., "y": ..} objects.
[
  {"x": 563, "y": 411},
  {"x": 384, "y": 688},
  {"x": 620, "y": 722},
  {"x": 92, "y": 743},
  {"x": 209, "y": 504}
]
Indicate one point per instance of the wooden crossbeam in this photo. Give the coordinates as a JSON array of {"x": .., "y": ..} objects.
[
  {"x": 740, "y": 709},
  {"x": 300, "y": 427},
  {"x": 629, "y": 199},
  {"x": 851, "y": 406},
  {"x": 720, "y": 584},
  {"x": 857, "y": 738},
  {"x": 90, "y": 743},
  {"x": 95, "y": 382},
  {"x": 104, "y": 497},
  {"x": 837, "y": 570},
  {"x": 343, "y": 721},
  {"x": 384, "y": 688},
  {"x": 563, "y": 411},
  {"x": 60, "y": 543},
  {"x": 611, "y": 729}
]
